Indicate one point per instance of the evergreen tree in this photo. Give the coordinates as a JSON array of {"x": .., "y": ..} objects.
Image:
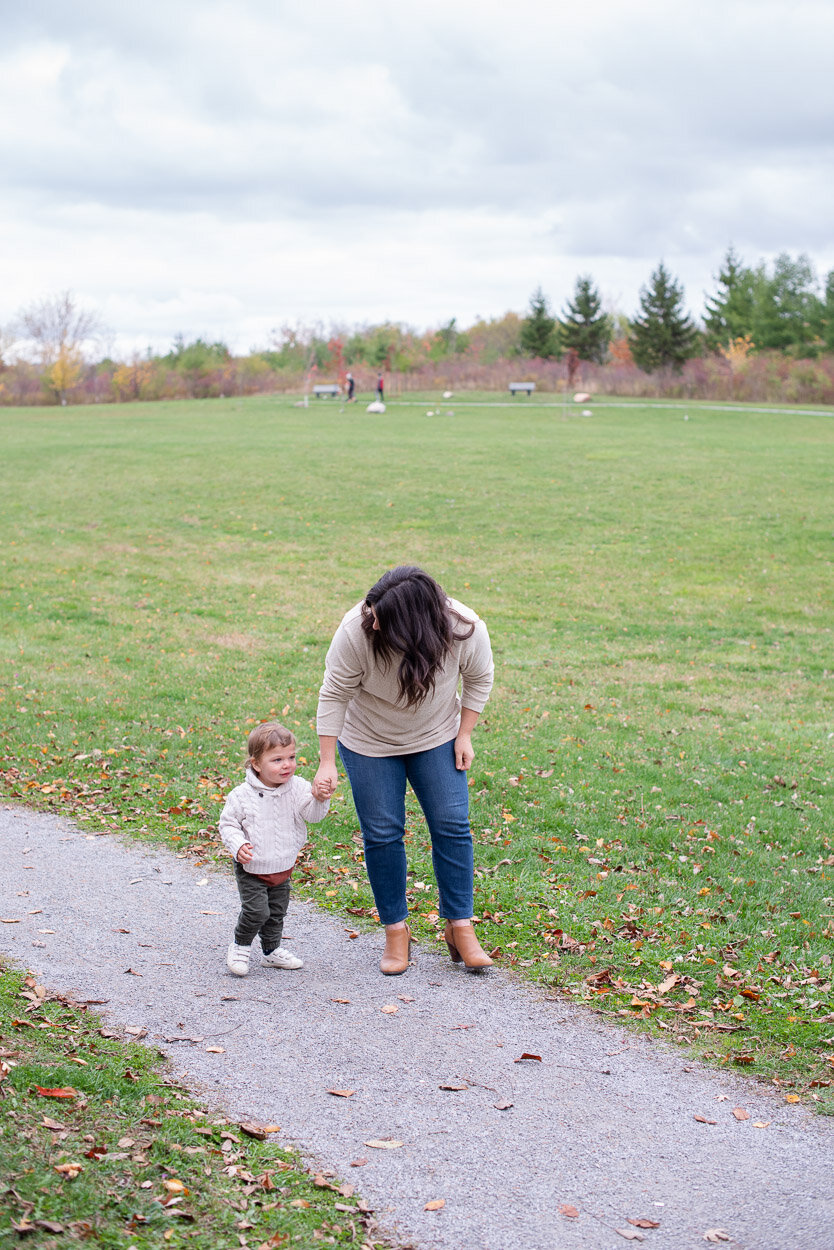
[
  {"x": 538, "y": 329},
  {"x": 828, "y": 323},
  {"x": 787, "y": 312},
  {"x": 584, "y": 327},
  {"x": 662, "y": 334},
  {"x": 729, "y": 312}
]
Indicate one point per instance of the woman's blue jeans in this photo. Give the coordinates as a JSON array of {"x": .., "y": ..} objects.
[{"x": 378, "y": 785}]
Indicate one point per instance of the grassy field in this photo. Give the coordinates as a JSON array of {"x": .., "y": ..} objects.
[{"x": 651, "y": 796}]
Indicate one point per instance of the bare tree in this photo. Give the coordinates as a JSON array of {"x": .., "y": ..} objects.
[{"x": 55, "y": 331}]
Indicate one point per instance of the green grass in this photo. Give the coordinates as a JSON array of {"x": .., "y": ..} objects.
[
  {"x": 99, "y": 1144},
  {"x": 651, "y": 796}
]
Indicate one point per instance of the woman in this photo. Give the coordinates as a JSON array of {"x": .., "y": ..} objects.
[{"x": 390, "y": 701}]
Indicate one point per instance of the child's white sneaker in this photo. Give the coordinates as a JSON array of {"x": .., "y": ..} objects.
[
  {"x": 237, "y": 959},
  {"x": 281, "y": 958}
]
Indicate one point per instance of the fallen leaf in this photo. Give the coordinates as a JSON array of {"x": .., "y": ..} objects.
[
  {"x": 702, "y": 1119},
  {"x": 389, "y": 1009},
  {"x": 570, "y": 1212},
  {"x": 259, "y": 1131},
  {"x": 761, "y": 1124},
  {"x": 383, "y": 1143},
  {"x": 136, "y": 1030},
  {"x": 717, "y": 1234},
  {"x": 70, "y": 1170},
  {"x": 405, "y": 998},
  {"x": 631, "y": 1234},
  {"x": 740, "y": 1113},
  {"x": 527, "y": 1055},
  {"x": 450, "y": 1086},
  {"x": 132, "y": 972},
  {"x": 53, "y": 1124},
  {"x": 791, "y": 1097},
  {"x": 504, "y": 1105},
  {"x": 209, "y": 913},
  {"x": 4, "y": 921},
  {"x": 435, "y": 1205},
  {"x": 215, "y": 1050},
  {"x": 63, "y": 1091},
  {"x": 342, "y": 1093},
  {"x": 174, "y": 1186},
  {"x": 358, "y": 1163},
  {"x": 340, "y": 1000},
  {"x": 299, "y": 1202},
  {"x": 644, "y": 1223},
  {"x": 125, "y": 1143}
]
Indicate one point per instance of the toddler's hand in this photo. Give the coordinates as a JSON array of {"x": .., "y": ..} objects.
[
  {"x": 245, "y": 853},
  {"x": 322, "y": 789}
]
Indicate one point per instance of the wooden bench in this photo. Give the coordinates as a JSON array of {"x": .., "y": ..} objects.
[
  {"x": 524, "y": 388},
  {"x": 331, "y": 390}
]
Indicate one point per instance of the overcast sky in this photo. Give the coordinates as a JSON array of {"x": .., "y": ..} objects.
[{"x": 224, "y": 167}]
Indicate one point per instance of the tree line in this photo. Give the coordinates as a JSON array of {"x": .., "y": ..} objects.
[{"x": 51, "y": 352}]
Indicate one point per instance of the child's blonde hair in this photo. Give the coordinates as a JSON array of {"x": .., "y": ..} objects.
[{"x": 267, "y": 735}]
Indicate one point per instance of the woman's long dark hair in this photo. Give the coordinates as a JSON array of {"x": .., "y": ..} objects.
[{"x": 417, "y": 622}]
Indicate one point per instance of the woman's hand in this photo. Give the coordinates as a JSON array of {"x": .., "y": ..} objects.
[
  {"x": 325, "y": 781},
  {"x": 464, "y": 755}
]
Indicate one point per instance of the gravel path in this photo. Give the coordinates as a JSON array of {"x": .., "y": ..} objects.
[{"x": 605, "y": 1122}]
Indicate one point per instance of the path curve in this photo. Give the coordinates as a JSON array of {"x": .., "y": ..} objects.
[{"x": 605, "y": 1122}]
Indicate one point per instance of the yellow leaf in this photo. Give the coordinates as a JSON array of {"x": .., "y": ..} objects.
[{"x": 435, "y": 1205}]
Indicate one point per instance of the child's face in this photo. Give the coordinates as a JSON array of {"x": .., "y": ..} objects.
[{"x": 276, "y": 765}]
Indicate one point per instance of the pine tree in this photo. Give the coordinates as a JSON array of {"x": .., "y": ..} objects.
[
  {"x": 729, "y": 312},
  {"x": 584, "y": 327},
  {"x": 538, "y": 330},
  {"x": 662, "y": 335}
]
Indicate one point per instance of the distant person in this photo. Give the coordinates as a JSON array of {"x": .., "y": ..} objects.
[
  {"x": 263, "y": 826},
  {"x": 380, "y": 388},
  {"x": 390, "y": 702},
  {"x": 351, "y": 388}
]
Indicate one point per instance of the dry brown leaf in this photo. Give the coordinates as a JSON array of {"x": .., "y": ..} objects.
[
  {"x": 383, "y": 1143},
  {"x": 260, "y": 1132},
  {"x": 62, "y": 1091},
  {"x": 435, "y": 1205},
  {"x": 631, "y": 1234},
  {"x": 358, "y": 1163},
  {"x": 215, "y": 1050},
  {"x": 702, "y": 1119},
  {"x": 644, "y": 1223},
  {"x": 405, "y": 998},
  {"x": 791, "y": 1097},
  {"x": 451, "y": 1086},
  {"x": 389, "y": 1009},
  {"x": 740, "y": 1113},
  {"x": 342, "y": 1093},
  {"x": 761, "y": 1124},
  {"x": 174, "y": 1186},
  {"x": 668, "y": 983},
  {"x": 570, "y": 1212},
  {"x": 70, "y": 1170},
  {"x": 717, "y": 1234},
  {"x": 299, "y": 1202},
  {"x": 340, "y": 1000},
  {"x": 504, "y": 1105},
  {"x": 527, "y": 1055}
]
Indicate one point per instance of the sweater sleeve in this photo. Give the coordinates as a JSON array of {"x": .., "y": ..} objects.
[
  {"x": 231, "y": 830},
  {"x": 477, "y": 669},
  {"x": 343, "y": 672}
]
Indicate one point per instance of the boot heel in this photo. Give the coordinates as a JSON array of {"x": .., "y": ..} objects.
[{"x": 454, "y": 952}]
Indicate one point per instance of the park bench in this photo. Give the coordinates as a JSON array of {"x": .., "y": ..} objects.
[
  {"x": 327, "y": 391},
  {"x": 524, "y": 388}
]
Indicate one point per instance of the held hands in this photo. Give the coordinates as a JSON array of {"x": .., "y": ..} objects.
[
  {"x": 325, "y": 782},
  {"x": 464, "y": 755},
  {"x": 245, "y": 853},
  {"x": 322, "y": 787}
]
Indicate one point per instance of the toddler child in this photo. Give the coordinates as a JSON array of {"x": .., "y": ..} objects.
[{"x": 263, "y": 826}]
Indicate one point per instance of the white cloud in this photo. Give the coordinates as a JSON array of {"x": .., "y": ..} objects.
[{"x": 219, "y": 168}]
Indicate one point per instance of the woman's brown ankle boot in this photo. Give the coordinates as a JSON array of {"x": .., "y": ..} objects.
[
  {"x": 463, "y": 945},
  {"x": 397, "y": 951}
]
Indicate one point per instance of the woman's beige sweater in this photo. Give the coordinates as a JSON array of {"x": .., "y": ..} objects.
[{"x": 359, "y": 699}]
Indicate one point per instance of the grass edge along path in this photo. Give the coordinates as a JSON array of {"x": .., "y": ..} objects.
[{"x": 100, "y": 1142}]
